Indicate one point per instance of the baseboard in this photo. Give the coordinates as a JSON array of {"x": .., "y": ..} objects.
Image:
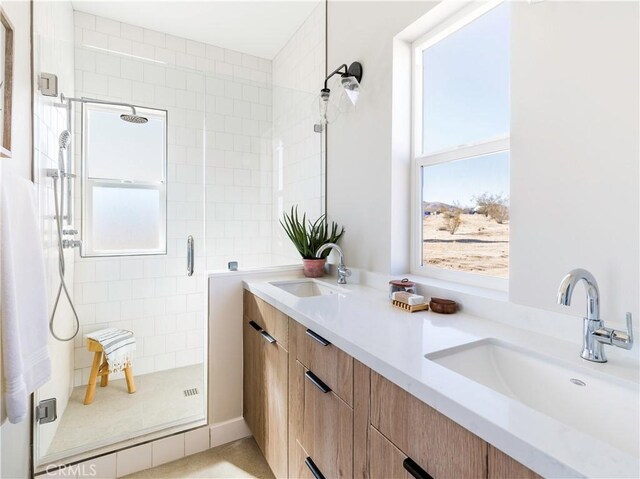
[{"x": 228, "y": 431}]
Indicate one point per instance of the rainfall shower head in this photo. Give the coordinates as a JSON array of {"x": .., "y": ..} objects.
[
  {"x": 64, "y": 139},
  {"x": 133, "y": 118}
]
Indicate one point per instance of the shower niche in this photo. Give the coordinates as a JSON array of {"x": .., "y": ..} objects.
[{"x": 180, "y": 159}]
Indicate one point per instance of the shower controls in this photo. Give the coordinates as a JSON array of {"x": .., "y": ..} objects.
[
  {"x": 190, "y": 257},
  {"x": 67, "y": 243}
]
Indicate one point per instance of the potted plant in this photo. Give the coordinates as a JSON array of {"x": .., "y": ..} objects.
[{"x": 307, "y": 237}]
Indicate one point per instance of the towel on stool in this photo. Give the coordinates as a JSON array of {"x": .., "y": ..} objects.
[{"x": 118, "y": 345}]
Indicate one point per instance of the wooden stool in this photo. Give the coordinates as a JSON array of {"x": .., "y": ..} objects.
[{"x": 101, "y": 368}]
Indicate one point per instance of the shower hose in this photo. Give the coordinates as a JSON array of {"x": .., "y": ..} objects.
[{"x": 63, "y": 284}]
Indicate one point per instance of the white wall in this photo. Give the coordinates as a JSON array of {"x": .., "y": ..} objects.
[
  {"x": 14, "y": 438},
  {"x": 574, "y": 145},
  {"x": 359, "y": 150},
  {"x": 574, "y": 188},
  {"x": 53, "y": 53}
]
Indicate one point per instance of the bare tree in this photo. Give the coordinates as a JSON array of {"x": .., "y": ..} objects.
[
  {"x": 493, "y": 206},
  {"x": 452, "y": 218}
]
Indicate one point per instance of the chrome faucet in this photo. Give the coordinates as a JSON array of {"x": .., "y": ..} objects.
[
  {"x": 595, "y": 335},
  {"x": 343, "y": 272}
]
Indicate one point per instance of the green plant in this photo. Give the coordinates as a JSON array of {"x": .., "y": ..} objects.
[{"x": 306, "y": 236}]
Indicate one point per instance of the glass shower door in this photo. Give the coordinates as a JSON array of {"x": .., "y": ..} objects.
[{"x": 138, "y": 206}]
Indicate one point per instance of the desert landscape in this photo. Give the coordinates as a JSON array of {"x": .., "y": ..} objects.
[{"x": 479, "y": 243}]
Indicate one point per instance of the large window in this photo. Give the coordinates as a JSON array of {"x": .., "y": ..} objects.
[
  {"x": 461, "y": 148},
  {"x": 124, "y": 182}
]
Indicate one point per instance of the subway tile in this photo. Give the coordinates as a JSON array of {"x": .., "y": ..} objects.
[
  {"x": 196, "y": 48},
  {"x": 134, "y": 459},
  {"x": 95, "y": 84},
  {"x": 233, "y": 57},
  {"x": 132, "y": 309},
  {"x": 107, "y": 270},
  {"x": 108, "y": 312},
  {"x": 168, "y": 449},
  {"x": 105, "y": 25},
  {"x": 131, "y": 269},
  {"x": 84, "y": 20},
  {"x": 143, "y": 288},
  {"x": 176, "y": 44},
  {"x": 95, "y": 39},
  {"x": 196, "y": 440},
  {"x": 214, "y": 53},
  {"x": 95, "y": 292},
  {"x": 131, "y": 32},
  {"x": 119, "y": 290},
  {"x": 165, "y": 55},
  {"x": 120, "y": 45},
  {"x": 154, "y": 38},
  {"x": 142, "y": 50}
]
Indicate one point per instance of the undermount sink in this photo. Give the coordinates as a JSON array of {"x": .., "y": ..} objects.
[
  {"x": 306, "y": 288},
  {"x": 601, "y": 406}
]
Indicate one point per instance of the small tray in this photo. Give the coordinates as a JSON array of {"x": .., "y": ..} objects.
[
  {"x": 411, "y": 308},
  {"x": 443, "y": 306}
]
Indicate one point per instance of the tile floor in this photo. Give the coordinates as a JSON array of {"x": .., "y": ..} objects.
[
  {"x": 236, "y": 460},
  {"x": 115, "y": 414}
]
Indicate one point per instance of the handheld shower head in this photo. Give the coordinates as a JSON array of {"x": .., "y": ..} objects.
[{"x": 64, "y": 139}]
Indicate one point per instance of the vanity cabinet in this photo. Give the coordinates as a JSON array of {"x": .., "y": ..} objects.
[
  {"x": 316, "y": 412},
  {"x": 266, "y": 380},
  {"x": 432, "y": 442},
  {"x": 321, "y": 406}
]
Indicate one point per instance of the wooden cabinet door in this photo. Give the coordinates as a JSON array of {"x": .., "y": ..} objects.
[
  {"x": 385, "y": 459},
  {"x": 276, "y": 407},
  {"x": 323, "y": 427},
  {"x": 443, "y": 448},
  {"x": 502, "y": 466},
  {"x": 253, "y": 379}
]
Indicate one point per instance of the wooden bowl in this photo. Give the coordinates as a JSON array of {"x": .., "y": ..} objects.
[{"x": 443, "y": 306}]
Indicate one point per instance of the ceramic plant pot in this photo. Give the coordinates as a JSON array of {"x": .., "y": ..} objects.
[{"x": 313, "y": 268}]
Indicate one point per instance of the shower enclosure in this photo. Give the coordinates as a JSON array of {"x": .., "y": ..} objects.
[{"x": 228, "y": 145}]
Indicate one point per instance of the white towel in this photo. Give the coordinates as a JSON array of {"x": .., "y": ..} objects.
[
  {"x": 118, "y": 345},
  {"x": 25, "y": 351}
]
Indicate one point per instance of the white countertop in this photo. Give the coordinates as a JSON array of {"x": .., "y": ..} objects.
[{"x": 393, "y": 343}]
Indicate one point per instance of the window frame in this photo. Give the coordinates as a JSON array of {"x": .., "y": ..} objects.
[
  {"x": 458, "y": 19},
  {"x": 88, "y": 183}
]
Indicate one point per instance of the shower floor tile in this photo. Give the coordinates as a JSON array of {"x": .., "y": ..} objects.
[{"x": 115, "y": 414}]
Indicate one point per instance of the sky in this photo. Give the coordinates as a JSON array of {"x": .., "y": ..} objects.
[{"x": 466, "y": 101}]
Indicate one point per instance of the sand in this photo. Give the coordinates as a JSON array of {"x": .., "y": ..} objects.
[{"x": 480, "y": 245}]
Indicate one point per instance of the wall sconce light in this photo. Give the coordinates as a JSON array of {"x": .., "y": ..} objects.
[{"x": 350, "y": 78}]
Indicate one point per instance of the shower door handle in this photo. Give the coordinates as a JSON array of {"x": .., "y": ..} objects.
[{"x": 190, "y": 257}]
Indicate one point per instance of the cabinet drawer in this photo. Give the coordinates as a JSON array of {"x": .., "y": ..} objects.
[
  {"x": 326, "y": 429},
  {"x": 502, "y": 466},
  {"x": 334, "y": 366},
  {"x": 439, "y": 445},
  {"x": 385, "y": 459},
  {"x": 271, "y": 320}
]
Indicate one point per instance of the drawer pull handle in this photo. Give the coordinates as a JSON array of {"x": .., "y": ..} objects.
[
  {"x": 415, "y": 470},
  {"x": 317, "y": 382},
  {"x": 318, "y": 338},
  {"x": 267, "y": 337},
  {"x": 313, "y": 468},
  {"x": 255, "y": 325}
]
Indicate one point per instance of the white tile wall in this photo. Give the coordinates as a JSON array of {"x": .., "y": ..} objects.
[
  {"x": 298, "y": 179},
  {"x": 220, "y": 175},
  {"x": 53, "y": 53}
]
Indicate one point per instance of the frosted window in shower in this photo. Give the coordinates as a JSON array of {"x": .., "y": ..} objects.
[
  {"x": 124, "y": 182},
  {"x": 118, "y": 227}
]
